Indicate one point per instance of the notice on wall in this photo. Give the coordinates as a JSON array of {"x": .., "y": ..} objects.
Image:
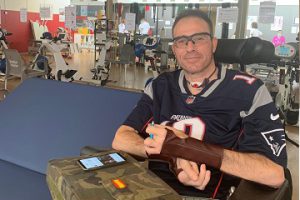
[
  {"x": 130, "y": 21},
  {"x": 83, "y": 10},
  {"x": 61, "y": 14},
  {"x": 295, "y": 29},
  {"x": 226, "y": 15},
  {"x": 45, "y": 12},
  {"x": 277, "y": 24},
  {"x": 23, "y": 15},
  {"x": 70, "y": 17},
  {"x": 266, "y": 12}
]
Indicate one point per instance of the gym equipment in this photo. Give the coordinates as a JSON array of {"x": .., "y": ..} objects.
[
  {"x": 102, "y": 47},
  {"x": 287, "y": 99},
  {"x": 16, "y": 67},
  {"x": 62, "y": 69},
  {"x": 62, "y": 38},
  {"x": 126, "y": 58},
  {"x": 65, "y": 46},
  {"x": 165, "y": 52},
  {"x": 147, "y": 49},
  {"x": 3, "y": 34},
  {"x": 3, "y": 45},
  {"x": 154, "y": 51},
  {"x": 102, "y": 65},
  {"x": 2, "y": 66}
]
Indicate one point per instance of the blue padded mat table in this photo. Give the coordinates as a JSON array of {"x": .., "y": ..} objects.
[
  {"x": 18, "y": 183},
  {"x": 47, "y": 119}
]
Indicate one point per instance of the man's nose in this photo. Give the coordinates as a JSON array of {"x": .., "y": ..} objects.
[{"x": 190, "y": 45}]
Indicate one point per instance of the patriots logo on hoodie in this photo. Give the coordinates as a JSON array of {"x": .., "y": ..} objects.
[{"x": 275, "y": 139}]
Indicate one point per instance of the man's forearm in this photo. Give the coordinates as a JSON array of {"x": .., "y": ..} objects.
[
  {"x": 128, "y": 140},
  {"x": 248, "y": 166},
  {"x": 253, "y": 167}
]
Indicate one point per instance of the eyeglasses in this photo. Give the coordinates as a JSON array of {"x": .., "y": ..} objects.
[{"x": 197, "y": 39}]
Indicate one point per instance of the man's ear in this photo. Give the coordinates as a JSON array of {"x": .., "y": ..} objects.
[{"x": 214, "y": 43}]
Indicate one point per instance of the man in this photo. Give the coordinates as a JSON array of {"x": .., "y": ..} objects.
[
  {"x": 254, "y": 32},
  {"x": 122, "y": 27},
  {"x": 144, "y": 27},
  {"x": 279, "y": 39},
  {"x": 212, "y": 124}
]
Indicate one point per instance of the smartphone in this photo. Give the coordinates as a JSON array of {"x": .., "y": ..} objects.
[{"x": 98, "y": 162}]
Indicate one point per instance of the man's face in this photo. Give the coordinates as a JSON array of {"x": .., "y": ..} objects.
[{"x": 194, "y": 58}]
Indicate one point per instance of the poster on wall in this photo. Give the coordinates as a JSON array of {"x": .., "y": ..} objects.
[
  {"x": 226, "y": 15},
  {"x": 277, "y": 24},
  {"x": 45, "y": 12},
  {"x": 23, "y": 15},
  {"x": 84, "y": 10},
  {"x": 266, "y": 12},
  {"x": 86, "y": 14},
  {"x": 70, "y": 17},
  {"x": 61, "y": 16},
  {"x": 294, "y": 29},
  {"x": 130, "y": 21}
]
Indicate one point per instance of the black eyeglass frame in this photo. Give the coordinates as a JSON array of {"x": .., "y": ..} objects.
[{"x": 190, "y": 38}]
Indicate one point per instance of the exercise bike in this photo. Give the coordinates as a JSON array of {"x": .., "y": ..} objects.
[
  {"x": 102, "y": 64},
  {"x": 62, "y": 69},
  {"x": 287, "y": 99},
  {"x": 3, "y": 45},
  {"x": 147, "y": 49}
]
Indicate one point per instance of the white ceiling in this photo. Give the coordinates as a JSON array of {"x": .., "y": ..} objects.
[{"x": 251, "y": 2}]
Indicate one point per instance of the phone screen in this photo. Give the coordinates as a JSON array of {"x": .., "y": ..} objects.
[{"x": 101, "y": 161}]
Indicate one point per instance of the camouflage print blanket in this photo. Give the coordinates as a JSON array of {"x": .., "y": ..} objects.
[{"x": 68, "y": 181}]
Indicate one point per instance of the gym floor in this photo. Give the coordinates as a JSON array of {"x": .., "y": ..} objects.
[{"x": 135, "y": 79}]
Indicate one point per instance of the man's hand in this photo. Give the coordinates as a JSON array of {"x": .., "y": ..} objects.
[
  {"x": 189, "y": 171},
  {"x": 159, "y": 132},
  {"x": 154, "y": 145},
  {"x": 190, "y": 174}
]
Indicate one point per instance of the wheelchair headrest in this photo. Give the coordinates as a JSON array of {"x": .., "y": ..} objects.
[
  {"x": 244, "y": 51},
  {"x": 150, "y": 42},
  {"x": 47, "y": 35}
]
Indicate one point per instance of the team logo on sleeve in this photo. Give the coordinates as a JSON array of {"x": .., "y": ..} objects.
[
  {"x": 249, "y": 80},
  {"x": 275, "y": 139}
]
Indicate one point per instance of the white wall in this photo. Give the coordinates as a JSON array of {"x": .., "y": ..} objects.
[{"x": 33, "y": 5}]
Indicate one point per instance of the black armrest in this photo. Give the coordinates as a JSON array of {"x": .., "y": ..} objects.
[
  {"x": 87, "y": 150},
  {"x": 248, "y": 190}
]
